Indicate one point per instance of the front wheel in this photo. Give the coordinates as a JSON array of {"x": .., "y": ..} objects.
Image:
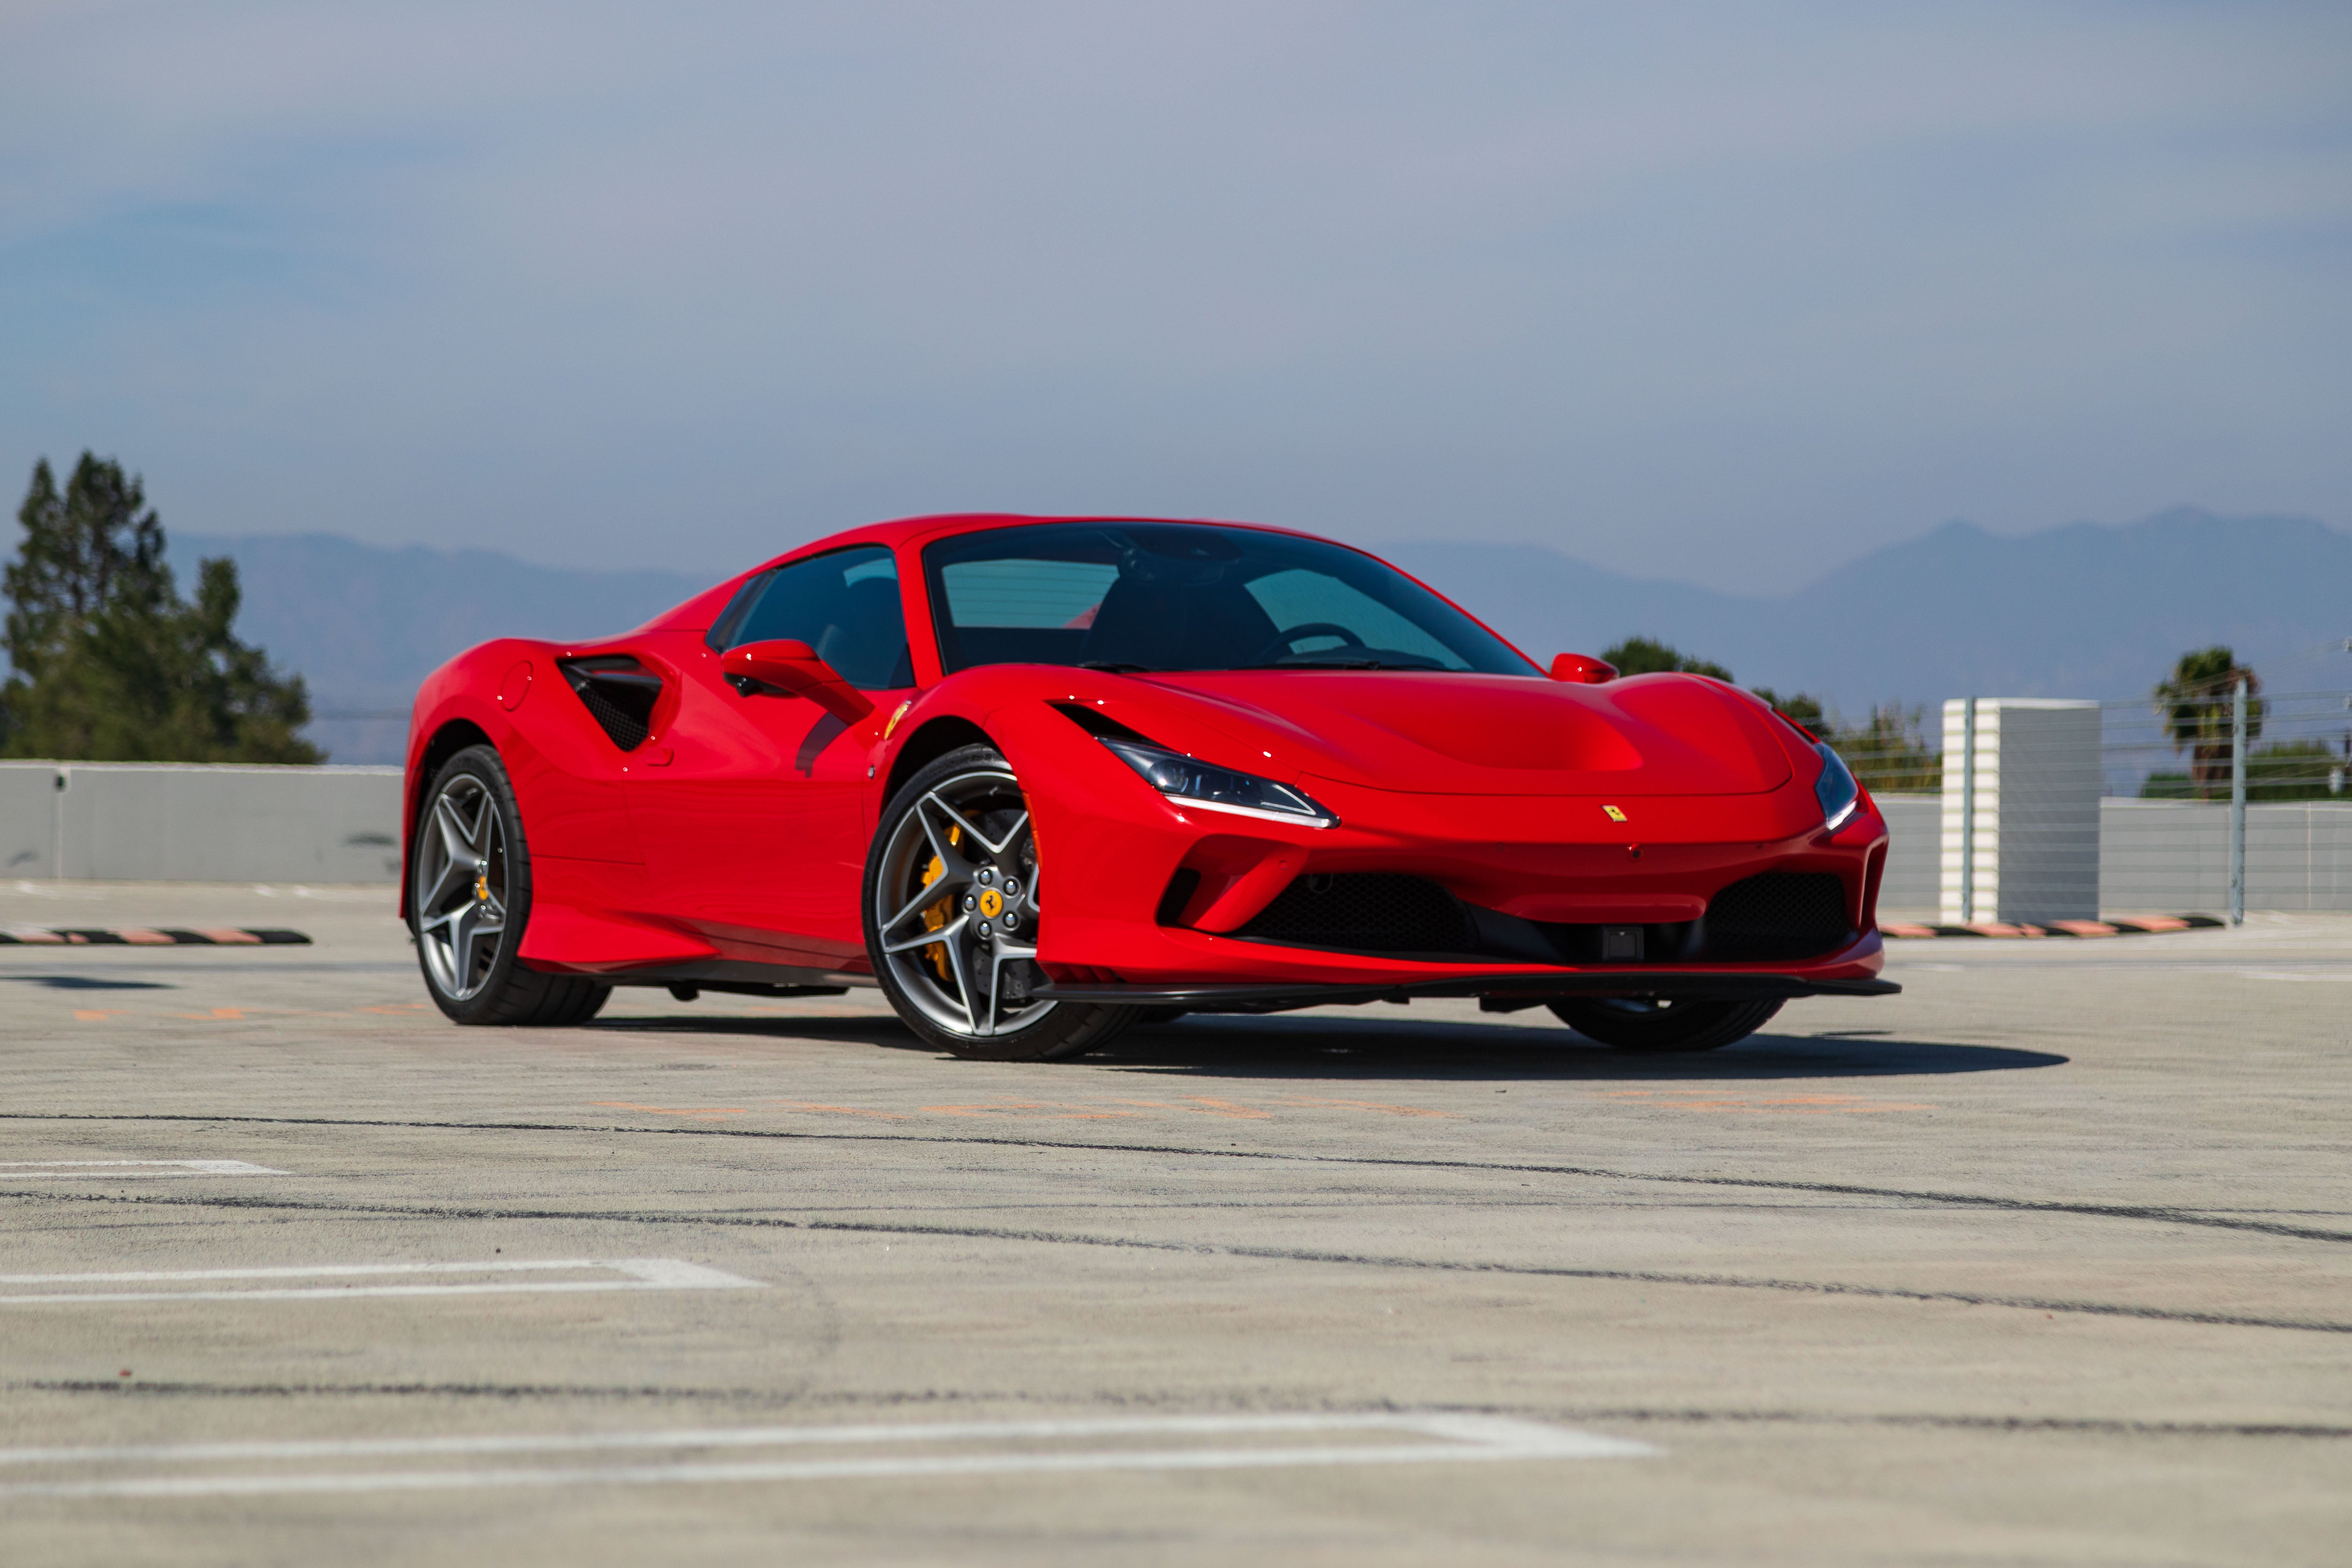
[
  {"x": 468, "y": 897},
  {"x": 1664, "y": 1022},
  {"x": 951, "y": 917}
]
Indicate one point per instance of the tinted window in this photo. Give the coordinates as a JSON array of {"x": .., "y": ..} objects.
[
  {"x": 845, "y": 605},
  {"x": 1148, "y": 596}
]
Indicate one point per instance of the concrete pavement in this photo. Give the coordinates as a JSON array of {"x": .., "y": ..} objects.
[{"x": 2044, "y": 1260}]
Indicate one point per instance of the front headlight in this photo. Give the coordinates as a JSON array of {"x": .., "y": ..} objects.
[
  {"x": 1836, "y": 790},
  {"x": 1196, "y": 782}
]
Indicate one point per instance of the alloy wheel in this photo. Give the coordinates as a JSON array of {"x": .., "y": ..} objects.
[
  {"x": 460, "y": 891},
  {"x": 957, "y": 906}
]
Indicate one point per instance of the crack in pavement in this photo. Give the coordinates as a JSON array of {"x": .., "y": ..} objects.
[
  {"x": 2151, "y": 1213},
  {"x": 1218, "y": 1249}
]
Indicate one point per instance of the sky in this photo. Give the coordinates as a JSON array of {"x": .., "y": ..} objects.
[{"x": 1725, "y": 293}]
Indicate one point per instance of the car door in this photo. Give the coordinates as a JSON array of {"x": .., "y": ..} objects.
[{"x": 755, "y": 825}]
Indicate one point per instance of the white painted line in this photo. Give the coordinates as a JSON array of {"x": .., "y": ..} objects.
[
  {"x": 637, "y": 1274},
  {"x": 1428, "y": 1439},
  {"x": 18, "y": 1170}
]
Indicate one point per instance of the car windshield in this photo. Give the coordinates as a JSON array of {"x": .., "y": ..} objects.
[{"x": 1173, "y": 597}]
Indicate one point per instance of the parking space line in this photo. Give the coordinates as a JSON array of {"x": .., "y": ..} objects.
[
  {"x": 634, "y": 1274},
  {"x": 1420, "y": 1439},
  {"x": 19, "y": 1170}
]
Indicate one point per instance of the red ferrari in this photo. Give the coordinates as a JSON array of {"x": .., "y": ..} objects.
[{"x": 1038, "y": 778}]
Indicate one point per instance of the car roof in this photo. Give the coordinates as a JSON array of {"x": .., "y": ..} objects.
[{"x": 922, "y": 531}]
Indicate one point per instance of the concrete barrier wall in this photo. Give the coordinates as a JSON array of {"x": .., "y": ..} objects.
[
  {"x": 2173, "y": 857},
  {"x": 164, "y": 823},
  {"x": 153, "y": 822},
  {"x": 1915, "y": 826}
]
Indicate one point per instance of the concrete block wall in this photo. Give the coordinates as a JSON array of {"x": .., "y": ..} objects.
[
  {"x": 1914, "y": 827},
  {"x": 2033, "y": 853},
  {"x": 173, "y": 823},
  {"x": 2173, "y": 856}
]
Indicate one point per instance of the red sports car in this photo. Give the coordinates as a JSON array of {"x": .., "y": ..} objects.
[{"x": 1038, "y": 778}]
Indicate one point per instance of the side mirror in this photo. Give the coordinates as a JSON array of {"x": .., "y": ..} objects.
[
  {"x": 1582, "y": 669},
  {"x": 793, "y": 670}
]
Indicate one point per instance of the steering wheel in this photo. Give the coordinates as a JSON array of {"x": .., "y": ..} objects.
[{"x": 1288, "y": 634}]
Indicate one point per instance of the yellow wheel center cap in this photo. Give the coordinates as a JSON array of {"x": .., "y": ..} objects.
[{"x": 991, "y": 902}]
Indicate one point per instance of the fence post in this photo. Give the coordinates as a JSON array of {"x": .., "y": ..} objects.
[
  {"x": 1968, "y": 811},
  {"x": 2238, "y": 805}
]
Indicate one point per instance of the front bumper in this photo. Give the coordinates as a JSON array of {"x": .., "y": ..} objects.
[{"x": 1112, "y": 848}]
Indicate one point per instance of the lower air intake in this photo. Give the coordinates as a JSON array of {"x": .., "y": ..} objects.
[
  {"x": 1778, "y": 915},
  {"x": 1365, "y": 911}
]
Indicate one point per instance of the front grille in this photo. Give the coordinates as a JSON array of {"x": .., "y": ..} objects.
[
  {"x": 1366, "y": 911},
  {"x": 1777, "y": 915}
]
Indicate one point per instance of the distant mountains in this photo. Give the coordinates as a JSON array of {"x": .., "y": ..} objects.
[
  {"x": 2087, "y": 610},
  {"x": 365, "y": 625}
]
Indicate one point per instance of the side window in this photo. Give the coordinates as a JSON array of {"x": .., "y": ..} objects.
[{"x": 845, "y": 605}]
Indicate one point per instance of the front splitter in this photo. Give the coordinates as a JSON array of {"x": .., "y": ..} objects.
[{"x": 1278, "y": 996}]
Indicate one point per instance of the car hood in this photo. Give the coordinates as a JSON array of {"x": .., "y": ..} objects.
[{"x": 1445, "y": 733}]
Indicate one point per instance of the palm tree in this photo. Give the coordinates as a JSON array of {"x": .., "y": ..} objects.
[{"x": 2195, "y": 702}]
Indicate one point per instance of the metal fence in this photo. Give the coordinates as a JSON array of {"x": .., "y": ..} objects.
[
  {"x": 2230, "y": 796},
  {"x": 2210, "y": 796}
]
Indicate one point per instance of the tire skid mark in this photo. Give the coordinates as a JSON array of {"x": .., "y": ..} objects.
[
  {"x": 1223, "y": 1249},
  {"x": 2153, "y": 1213},
  {"x": 2096, "y": 1426}
]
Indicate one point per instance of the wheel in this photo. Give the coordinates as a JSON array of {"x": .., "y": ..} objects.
[
  {"x": 1663, "y": 1024},
  {"x": 469, "y": 897},
  {"x": 951, "y": 912}
]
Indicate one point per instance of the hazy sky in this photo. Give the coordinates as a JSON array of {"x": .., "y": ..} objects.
[{"x": 1726, "y": 292}]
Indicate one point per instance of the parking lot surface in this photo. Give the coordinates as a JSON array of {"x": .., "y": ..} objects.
[{"x": 2043, "y": 1261}]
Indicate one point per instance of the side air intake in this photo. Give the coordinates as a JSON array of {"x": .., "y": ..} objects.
[{"x": 619, "y": 694}]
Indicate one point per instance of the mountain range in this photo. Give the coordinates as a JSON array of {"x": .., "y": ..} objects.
[{"x": 2086, "y": 610}]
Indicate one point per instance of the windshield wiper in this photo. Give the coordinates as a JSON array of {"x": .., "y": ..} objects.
[{"x": 1113, "y": 667}]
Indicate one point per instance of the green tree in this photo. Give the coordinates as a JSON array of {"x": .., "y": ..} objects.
[
  {"x": 1889, "y": 753},
  {"x": 1806, "y": 710},
  {"x": 1648, "y": 656},
  {"x": 2194, "y": 703},
  {"x": 109, "y": 662}
]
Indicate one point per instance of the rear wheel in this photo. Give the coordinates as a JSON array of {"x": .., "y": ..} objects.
[
  {"x": 1664, "y": 1022},
  {"x": 469, "y": 897},
  {"x": 951, "y": 914}
]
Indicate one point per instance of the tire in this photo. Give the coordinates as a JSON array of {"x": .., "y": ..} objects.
[
  {"x": 468, "y": 929},
  {"x": 1641, "y": 1023},
  {"x": 959, "y": 831}
]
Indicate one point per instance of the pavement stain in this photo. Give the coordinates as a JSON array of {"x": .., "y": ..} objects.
[
  {"x": 1714, "y": 1102},
  {"x": 1009, "y": 1109}
]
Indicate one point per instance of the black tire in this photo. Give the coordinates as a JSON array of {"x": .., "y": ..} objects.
[
  {"x": 957, "y": 976},
  {"x": 470, "y": 822},
  {"x": 1663, "y": 1024}
]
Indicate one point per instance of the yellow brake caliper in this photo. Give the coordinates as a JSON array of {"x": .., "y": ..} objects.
[{"x": 936, "y": 953}]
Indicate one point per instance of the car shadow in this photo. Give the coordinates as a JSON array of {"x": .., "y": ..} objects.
[
  {"x": 1241, "y": 1046},
  {"x": 87, "y": 982},
  {"x": 1342, "y": 1049}
]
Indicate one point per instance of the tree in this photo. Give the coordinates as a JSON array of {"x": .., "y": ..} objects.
[
  {"x": 110, "y": 663},
  {"x": 1648, "y": 656},
  {"x": 2194, "y": 703},
  {"x": 1806, "y": 710},
  {"x": 1890, "y": 753}
]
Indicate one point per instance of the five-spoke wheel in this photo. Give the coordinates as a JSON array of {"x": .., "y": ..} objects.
[
  {"x": 469, "y": 897},
  {"x": 953, "y": 911}
]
